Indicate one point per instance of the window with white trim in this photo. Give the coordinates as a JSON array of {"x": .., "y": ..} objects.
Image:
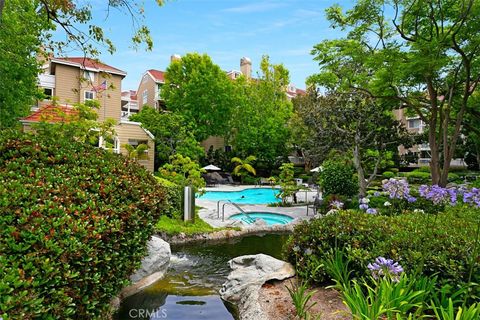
[
  {"x": 89, "y": 95},
  {"x": 145, "y": 96},
  {"x": 414, "y": 123}
]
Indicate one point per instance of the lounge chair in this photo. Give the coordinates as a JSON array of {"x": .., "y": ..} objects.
[{"x": 317, "y": 205}]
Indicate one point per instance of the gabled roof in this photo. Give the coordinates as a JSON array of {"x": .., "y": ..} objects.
[
  {"x": 131, "y": 94},
  {"x": 89, "y": 64},
  {"x": 52, "y": 114},
  {"x": 157, "y": 75}
]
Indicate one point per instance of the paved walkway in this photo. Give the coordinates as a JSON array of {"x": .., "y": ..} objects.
[{"x": 210, "y": 215}]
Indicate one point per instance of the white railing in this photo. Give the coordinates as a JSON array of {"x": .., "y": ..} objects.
[{"x": 46, "y": 80}]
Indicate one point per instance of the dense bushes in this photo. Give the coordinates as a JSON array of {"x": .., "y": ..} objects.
[
  {"x": 173, "y": 198},
  {"x": 338, "y": 178},
  {"x": 74, "y": 222},
  {"x": 430, "y": 244}
]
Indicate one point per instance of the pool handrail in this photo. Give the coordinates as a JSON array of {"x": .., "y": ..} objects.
[{"x": 250, "y": 219}]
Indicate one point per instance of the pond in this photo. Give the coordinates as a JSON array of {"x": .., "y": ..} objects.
[
  {"x": 196, "y": 273},
  {"x": 245, "y": 196}
]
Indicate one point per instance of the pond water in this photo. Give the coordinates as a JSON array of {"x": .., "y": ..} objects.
[
  {"x": 245, "y": 196},
  {"x": 196, "y": 273}
]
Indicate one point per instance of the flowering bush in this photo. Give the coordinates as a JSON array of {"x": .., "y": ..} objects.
[
  {"x": 472, "y": 197},
  {"x": 438, "y": 195},
  {"x": 443, "y": 248}
]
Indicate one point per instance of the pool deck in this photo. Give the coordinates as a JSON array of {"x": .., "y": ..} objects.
[{"x": 209, "y": 208}]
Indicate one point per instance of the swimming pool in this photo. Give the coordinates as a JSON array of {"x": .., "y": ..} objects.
[
  {"x": 245, "y": 196},
  {"x": 270, "y": 218}
]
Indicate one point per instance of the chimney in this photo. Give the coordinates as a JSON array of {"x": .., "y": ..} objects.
[
  {"x": 246, "y": 67},
  {"x": 175, "y": 57}
]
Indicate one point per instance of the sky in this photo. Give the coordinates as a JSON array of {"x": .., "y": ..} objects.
[{"x": 226, "y": 30}]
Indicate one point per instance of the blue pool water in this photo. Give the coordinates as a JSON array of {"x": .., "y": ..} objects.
[
  {"x": 246, "y": 196},
  {"x": 270, "y": 218}
]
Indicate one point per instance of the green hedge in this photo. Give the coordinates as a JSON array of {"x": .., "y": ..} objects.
[
  {"x": 417, "y": 176},
  {"x": 173, "y": 198},
  {"x": 74, "y": 222},
  {"x": 441, "y": 245},
  {"x": 388, "y": 174},
  {"x": 338, "y": 178}
]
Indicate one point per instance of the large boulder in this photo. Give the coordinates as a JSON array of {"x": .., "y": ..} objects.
[
  {"x": 154, "y": 266},
  {"x": 248, "y": 275}
]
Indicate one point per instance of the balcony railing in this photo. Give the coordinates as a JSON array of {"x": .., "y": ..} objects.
[{"x": 46, "y": 80}]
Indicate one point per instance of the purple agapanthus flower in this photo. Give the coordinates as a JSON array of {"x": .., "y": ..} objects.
[
  {"x": 385, "y": 267},
  {"x": 472, "y": 197},
  {"x": 396, "y": 188},
  {"x": 337, "y": 205},
  {"x": 371, "y": 211},
  {"x": 438, "y": 195},
  {"x": 363, "y": 206}
]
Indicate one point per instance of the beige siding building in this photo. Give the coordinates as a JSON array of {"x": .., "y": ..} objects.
[
  {"x": 150, "y": 89},
  {"x": 69, "y": 81}
]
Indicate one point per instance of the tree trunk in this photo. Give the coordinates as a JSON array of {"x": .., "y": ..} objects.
[
  {"x": 2, "y": 4},
  {"x": 362, "y": 185}
]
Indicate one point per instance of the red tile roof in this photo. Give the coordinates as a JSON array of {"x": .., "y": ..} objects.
[
  {"x": 301, "y": 92},
  {"x": 88, "y": 63},
  {"x": 158, "y": 76},
  {"x": 52, "y": 114}
]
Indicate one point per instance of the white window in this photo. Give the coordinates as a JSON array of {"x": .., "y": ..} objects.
[
  {"x": 414, "y": 123},
  {"x": 109, "y": 143},
  {"x": 89, "y": 95},
  {"x": 145, "y": 96},
  {"x": 89, "y": 75}
]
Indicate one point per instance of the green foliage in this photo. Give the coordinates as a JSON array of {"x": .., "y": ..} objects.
[
  {"x": 388, "y": 174},
  {"x": 439, "y": 244},
  {"x": 261, "y": 113},
  {"x": 452, "y": 313},
  {"x": 74, "y": 222},
  {"x": 172, "y": 134},
  {"x": 137, "y": 153},
  {"x": 174, "y": 226},
  {"x": 201, "y": 92},
  {"x": 301, "y": 297},
  {"x": 337, "y": 178},
  {"x": 385, "y": 299},
  {"x": 173, "y": 198},
  {"x": 288, "y": 186},
  {"x": 20, "y": 33},
  {"x": 243, "y": 167},
  {"x": 418, "y": 176},
  {"x": 183, "y": 172}
]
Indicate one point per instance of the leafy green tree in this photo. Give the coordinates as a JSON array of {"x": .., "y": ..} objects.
[
  {"x": 137, "y": 153},
  {"x": 286, "y": 180},
  {"x": 20, "y": 38},
  {"x": 353, "y": 123},
  {"x": 243, "y": 167},
  {"x": 28, "y": 25},
  {"x": 422, "y": 55},
  {"x": 171, "y": 134},
  {"x": 259, "y": 122},
  {"x": 201, "y": 92},
  {"x": 184, "y": 172}
]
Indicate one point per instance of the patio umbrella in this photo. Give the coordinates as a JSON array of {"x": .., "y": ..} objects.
[{"x": 211, "y": 167}]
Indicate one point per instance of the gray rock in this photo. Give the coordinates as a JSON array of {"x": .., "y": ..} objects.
[
  {"x": 248, "y": 274},
  {"x": 156, "y": 261}
]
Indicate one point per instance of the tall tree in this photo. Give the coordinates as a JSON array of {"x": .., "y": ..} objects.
[
  {"x": 201, "y": 92},
  {"x": 353, "y": 123},
  {"x": 171, "y": 135},
  {"x": 20, "y": 38},
  {"x": 259, "y": 124},
  {"x": 418, "y": 54},
  {"x": 28, "y": 25}
]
